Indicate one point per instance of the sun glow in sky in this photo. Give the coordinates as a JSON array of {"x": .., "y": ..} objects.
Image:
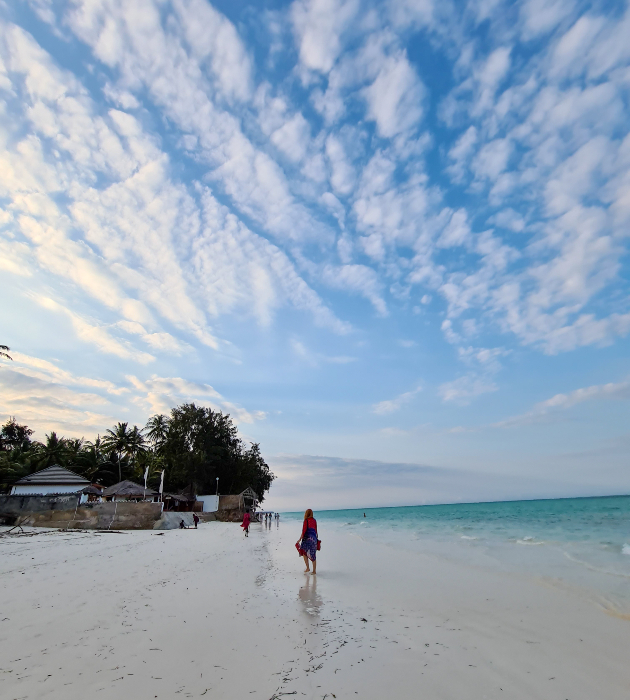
[{"x": 389, "y": 238}]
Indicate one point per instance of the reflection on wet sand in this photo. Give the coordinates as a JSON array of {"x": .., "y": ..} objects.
[{"x": 310, "y": 599}]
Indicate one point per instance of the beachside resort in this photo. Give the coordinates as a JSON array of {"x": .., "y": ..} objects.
[{"x": 58, "y": 497}]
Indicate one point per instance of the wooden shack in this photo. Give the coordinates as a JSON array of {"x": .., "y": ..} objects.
[{"x": 234, "y": 506}]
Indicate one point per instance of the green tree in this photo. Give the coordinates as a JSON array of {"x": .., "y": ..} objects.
[
  {"x": 94, "y": 463},
  {"x": 13, "y": 435},
  {"x": 56, "y": 450},
  {"x": 117, "y": 441},
  {"x": 156, "y": 430},
  {"x": 200, "y": 445},
  {"x": 16, "y": 453}
]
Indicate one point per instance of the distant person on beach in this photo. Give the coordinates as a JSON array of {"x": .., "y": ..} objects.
[
  {"x": 195, "y": 519},
  {"x": 308, "y": 543},
  {"x": 245, "y": 523},
  {"x": 182, "y": 525}
]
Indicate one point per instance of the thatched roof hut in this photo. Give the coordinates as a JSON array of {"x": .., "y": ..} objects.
[
  {"x": 129, "y": 491},
  {"x": 178, "y": 501}
]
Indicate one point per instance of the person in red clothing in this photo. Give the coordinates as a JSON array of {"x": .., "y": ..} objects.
[
  {"x": 307, "y": 544},
  {"x": 245, "y": 523}
]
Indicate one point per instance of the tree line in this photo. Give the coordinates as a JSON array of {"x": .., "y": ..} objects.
[{"x": 193, "y": 445}]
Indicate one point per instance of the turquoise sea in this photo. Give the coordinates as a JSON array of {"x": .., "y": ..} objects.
[{"x": 582, "y": 544}]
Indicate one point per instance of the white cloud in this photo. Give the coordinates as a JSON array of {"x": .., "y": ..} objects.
[
  {"x": 292, "y": 138},
  {"x": 160, "y": 394},
  {"x": 342, "y": 176},
  {"x": 395, "y": 404},
  {"x": 463, "y": 390},
  {"x": 492, "y": 159},
  {"x": 47, "y": 371},
  {"x": 142, "y": 224},
  {"x": 509, "y": 219},
  {"x": 46, "y": 397},
  {"x": 612, "y": 391},
  {"x": 541, "y": 16},
  {"x": 319, "y": 26},
  {"x": 314, "y": 359},
  {"x": 395, "y": 97},
  {"x": 238, "y": 270},
  {"x": 96, "y": 335},
  {"x": 460, "y": 153},
  {"x": 215, "y": 42},
  {"x": 358, "y": 279},
  {"x": 456, "y": 232},
  {"x": 450, "y": 335},
  {"x": 160, "y": 61}
]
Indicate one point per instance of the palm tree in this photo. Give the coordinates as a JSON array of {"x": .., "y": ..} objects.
[
  {"x": 117, "y": 440},
  {"x": 55, "y": 451},
  {"x": 92, "y": 462},
  {"x": 156, "y": 430},
  {"x": 136, "y": 445},
  {"x": 4, "y": 352}
]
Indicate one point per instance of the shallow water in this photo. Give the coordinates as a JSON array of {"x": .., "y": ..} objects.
[{"x": 581, "y": 544}]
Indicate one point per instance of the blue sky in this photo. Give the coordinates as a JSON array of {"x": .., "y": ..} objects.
[{"x": 390, "y": 239}]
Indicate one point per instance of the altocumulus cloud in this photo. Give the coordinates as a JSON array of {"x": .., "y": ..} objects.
[{"x": 178, "y": 177}]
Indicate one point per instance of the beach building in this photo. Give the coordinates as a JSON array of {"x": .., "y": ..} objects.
[
  {"x": 178, "y": 502},
  {"x": 92, "y": 493},
  {"x": 51, "y": 480},
  {"x": 129, "y": 491},
  {"x": 232, "y": 507},
  {"x": 209, "y": 503}
]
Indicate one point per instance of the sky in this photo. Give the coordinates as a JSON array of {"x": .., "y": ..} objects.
[{"x": 390, "y": 239}]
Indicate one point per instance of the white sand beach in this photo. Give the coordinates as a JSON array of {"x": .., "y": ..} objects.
[{"x": 208, "y": 613}]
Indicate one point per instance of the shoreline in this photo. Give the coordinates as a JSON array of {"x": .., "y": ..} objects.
[{"x": 210, "y": 613}]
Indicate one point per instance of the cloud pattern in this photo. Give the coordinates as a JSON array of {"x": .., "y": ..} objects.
[{"x": 174, "y": 165}]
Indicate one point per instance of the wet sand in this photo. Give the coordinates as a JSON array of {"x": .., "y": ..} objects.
[{"x": 209, "y": 613}]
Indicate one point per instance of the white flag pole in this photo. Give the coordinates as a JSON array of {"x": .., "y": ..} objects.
[
  {"x": 162, "y": 486},
  {"x": 146, "y": 474}
]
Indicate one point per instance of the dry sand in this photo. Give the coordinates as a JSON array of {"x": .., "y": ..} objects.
[{"x": 208, "y": 613}]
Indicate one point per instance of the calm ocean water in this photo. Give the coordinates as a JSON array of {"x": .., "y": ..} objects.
[{"x": 582, "y": 544}]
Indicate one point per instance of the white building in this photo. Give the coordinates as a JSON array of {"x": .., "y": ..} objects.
[
  {"x": 53, "y": 479},
  {"x": 210, "y": 503}
]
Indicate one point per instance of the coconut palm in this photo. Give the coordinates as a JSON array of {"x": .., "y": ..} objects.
[
  {"x": 117, "y": 440},
  {"x": 55, "y": 450},
  {"x": 137, "y": 445},
  {"x": 156, "y": 430}
]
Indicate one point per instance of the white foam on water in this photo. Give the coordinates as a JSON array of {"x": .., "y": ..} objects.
[
  {"x": 626, "y": 549},
  {"x": 466, "y": 537}
]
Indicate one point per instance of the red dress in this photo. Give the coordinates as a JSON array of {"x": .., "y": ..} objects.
[{"x": 245, "y": 523}]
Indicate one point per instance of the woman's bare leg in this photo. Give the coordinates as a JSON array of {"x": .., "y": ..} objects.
[
  {"x": 314, "y": 568},
  {"x": 306, "y": 562}
]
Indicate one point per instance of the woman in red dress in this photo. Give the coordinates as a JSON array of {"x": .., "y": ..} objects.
[
  {"x": 307, "y": 544},
  {"x": 245, "y": 523}
]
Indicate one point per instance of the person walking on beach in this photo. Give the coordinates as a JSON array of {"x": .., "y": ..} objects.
[
  {"x": 195, "y": 519},
  {"x": 308, "y": 544},
  {"x": 245, "y": 523}
]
